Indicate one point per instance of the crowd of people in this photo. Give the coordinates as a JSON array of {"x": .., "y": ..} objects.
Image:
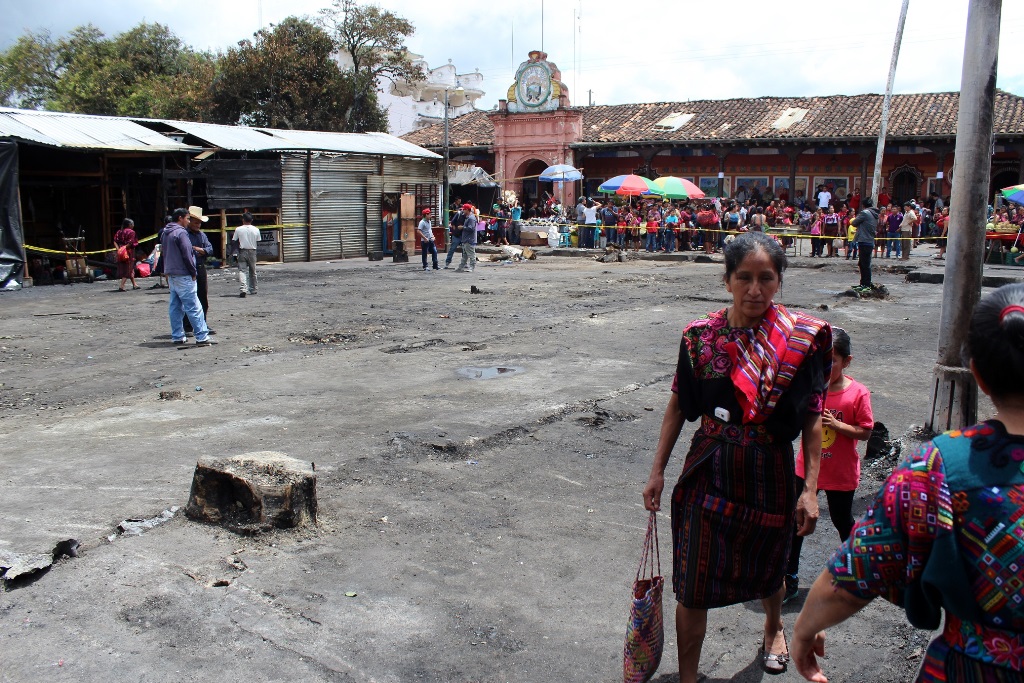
[{"x": 941, "y": 537}]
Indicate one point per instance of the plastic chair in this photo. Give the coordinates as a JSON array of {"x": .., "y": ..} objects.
[{"x": 563, "y": 239}]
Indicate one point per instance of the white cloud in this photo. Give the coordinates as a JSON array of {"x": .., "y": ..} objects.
[{"x": 665, "y": 51}]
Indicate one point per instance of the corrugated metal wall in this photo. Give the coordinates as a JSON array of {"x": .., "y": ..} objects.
[
  {"x": 374, "y": 220},
  {"x": 293, "y": 207},
  {"x": 339, "y": 204},
  {"x": 346, "y": 198}
]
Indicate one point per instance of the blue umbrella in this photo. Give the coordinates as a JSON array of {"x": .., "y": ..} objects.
[{"x": 561, "y": 173}]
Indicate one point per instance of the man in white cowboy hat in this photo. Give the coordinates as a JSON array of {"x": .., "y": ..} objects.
[
  {"x": 180, "y": 268},
  {"x": 202, "y": 248}
]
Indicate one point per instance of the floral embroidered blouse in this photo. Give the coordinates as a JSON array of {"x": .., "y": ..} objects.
[
  {"x": 945, "y": 533},
  {"x": 703, "y": 384}
]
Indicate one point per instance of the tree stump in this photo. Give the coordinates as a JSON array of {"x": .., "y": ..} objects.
[{"x": 253, "y": 492}]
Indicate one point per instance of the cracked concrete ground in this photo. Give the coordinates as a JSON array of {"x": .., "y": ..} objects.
[{"x": 489, "y": 529}]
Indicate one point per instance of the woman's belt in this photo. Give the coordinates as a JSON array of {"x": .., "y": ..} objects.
[
  {"x": 742, "y": 435},
  {"x": 992, "y": 645}
]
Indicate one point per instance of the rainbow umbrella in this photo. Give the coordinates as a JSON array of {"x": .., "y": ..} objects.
[
  {"x": 1014, "y": 194},
  {"x": 628, "y": 185},
  {"x": 676, "y": 188}
]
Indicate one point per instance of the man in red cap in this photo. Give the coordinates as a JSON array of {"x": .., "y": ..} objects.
[
  {"x": 468, "y": 263},
  {"x": 427, "y": 240}
]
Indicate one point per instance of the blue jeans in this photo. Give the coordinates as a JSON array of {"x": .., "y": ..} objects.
[
  {"x": 429, "y": 247},
  {"x": 652, "y": 241},
  {"x": 670, "y": 241},
  {"x": 452, "y": 248},
  {"x": 893, "y": 244},
  {"x": 596, "y": 240},
  {"x": 185, "y": 300}
]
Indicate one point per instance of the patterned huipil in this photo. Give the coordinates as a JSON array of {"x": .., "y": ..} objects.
[{"x": 946, "y": 533}]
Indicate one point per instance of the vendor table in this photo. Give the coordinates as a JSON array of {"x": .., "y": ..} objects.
[{"x": 996, "y": 243}]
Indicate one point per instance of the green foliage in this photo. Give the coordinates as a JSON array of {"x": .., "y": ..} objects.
[
  {"x": 28, "y": 71},
  {"x": 284, "y": 78},
  {"x": 287, "y": 76}
]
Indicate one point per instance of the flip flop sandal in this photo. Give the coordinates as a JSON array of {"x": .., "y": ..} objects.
[{"x": 772, "y": 663}]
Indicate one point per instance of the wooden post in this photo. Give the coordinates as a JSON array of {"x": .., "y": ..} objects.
[
  {"x": 886, "y": 101},
  {"x": 223, "y": 238},
  {"x": 955, "y": 398}
]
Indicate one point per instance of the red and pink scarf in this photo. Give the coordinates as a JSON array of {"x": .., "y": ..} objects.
[{"x": 765, "y": 361}]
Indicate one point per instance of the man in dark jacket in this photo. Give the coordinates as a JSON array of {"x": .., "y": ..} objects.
[
  {"x": 180, "y": 268},
  {"x": 866, "y": 223},
  {"x": 468, "y": 263}
]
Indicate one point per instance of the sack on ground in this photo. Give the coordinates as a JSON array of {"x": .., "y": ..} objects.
[{"x": 645, "y": 632}]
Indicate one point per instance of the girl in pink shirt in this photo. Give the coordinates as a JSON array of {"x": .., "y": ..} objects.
[{"x": 847, "y": 419}]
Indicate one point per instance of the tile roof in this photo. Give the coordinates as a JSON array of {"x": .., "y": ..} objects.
[{"x": 920, "y": 115}]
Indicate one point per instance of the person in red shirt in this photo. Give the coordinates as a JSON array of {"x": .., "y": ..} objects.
[
  {"x": 855, "y": 201},
  {"x": 883, "y": 197},
  {"x": 847, "y": 419}
]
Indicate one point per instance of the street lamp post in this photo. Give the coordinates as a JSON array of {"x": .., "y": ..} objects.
[{"x": 444, "y": 181}]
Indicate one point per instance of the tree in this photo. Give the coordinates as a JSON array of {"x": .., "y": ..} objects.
[
  {"x": 28, "y": 71},
  {"x": 284, "y": 78},
  {"x": 146, "y": 71},
  {"x": 372, "y": 40}
]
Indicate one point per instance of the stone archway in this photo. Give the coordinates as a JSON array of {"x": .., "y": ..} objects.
[
  {"x": 530, "y": 190},
  {"x": 905, "y": 183}
]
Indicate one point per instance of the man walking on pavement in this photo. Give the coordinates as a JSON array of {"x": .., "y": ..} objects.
[
  {"x": 202, "y": 248},
  {"x": 247, "y": 236},
  {"x": 427, "y": 245},
  {"x": 455, "y": 230},
  {"x": 180, "y": 268},
  {"x": 468, "y": 263}
]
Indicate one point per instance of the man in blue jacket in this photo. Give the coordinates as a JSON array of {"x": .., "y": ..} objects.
[{"x": 180, "y": 268}]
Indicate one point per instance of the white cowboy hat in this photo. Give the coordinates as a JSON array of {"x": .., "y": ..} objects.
[{"x": 197, "y": 212}]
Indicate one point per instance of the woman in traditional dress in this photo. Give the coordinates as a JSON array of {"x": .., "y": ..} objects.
[
  {"x": 944, "y": 533},
  {"x": 756, "y": 376},
  {"x": 125, "y": 237}
]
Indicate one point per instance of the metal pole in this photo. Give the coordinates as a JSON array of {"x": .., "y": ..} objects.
[
  {"x": 444, "y": 177},
  {"x": 955, "y": 398},
  {"x": 886, "y": 101}
]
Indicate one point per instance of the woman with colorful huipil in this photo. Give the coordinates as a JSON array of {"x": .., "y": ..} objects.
[
  {"x": 755, "y": 375},
  {"x": 945, "y": 533}
]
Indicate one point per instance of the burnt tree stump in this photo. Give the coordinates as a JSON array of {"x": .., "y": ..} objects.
[{"x": 253, "y": 492}]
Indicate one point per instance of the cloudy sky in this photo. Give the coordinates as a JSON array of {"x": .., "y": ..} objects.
[{"x": 667, "y": 51}]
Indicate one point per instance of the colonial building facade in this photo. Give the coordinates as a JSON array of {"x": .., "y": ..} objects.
[{"x": 785, "y": 146}]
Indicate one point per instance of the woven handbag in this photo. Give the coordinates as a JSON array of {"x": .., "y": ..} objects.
[{"x": 645, "y": 634}]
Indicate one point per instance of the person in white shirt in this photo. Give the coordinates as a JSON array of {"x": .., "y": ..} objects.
[
  {"x": 427, "y": 245},
  {"x": 824, "y": 197},
  {"x": 907, "y": 230},
  {"x": 247, "y": 236},
  {"x": 592, "y": 230}
]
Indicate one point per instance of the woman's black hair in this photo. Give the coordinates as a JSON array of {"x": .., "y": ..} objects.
[
  {"x": 749, "y": 242},
  {"x": 841, "y": 342},
  {"x": 995, "y": 341}
]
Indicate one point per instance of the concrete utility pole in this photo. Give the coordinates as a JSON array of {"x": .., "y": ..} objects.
[
  {"x": 955, "y": 398},
  {"x": 876, "y": 179}
]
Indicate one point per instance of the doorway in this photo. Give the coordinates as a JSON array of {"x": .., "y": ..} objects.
[
  {"x": 904, "y": 187},
  {"x": 1004, "y": 178}
]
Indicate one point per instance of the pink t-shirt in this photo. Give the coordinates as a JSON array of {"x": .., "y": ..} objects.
[{"x": 840, "y": 463}]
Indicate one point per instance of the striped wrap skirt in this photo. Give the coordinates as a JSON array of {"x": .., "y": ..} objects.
[{"x": 733, "y": 515}]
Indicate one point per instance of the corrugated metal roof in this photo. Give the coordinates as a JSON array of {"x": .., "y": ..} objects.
[
  {"x": 82, "y": 131},
  {"x": 232, "y": 138},
  {"x": 351, "y": 143}
]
